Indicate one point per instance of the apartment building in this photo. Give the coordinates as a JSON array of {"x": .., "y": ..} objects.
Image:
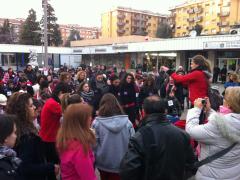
[
  {"x": 215, "y": 16},
  {"x": 16, "y": 25},
  {"x": 84, "y": 32},
  {"x": 123, "y": 21}
]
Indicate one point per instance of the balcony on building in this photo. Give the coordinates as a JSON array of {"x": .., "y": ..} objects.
[
  {"x": 135, "y": 24},
  {"x": 198, "y": 10},
  {"x": 191, "y": 11},
  {"x": 121, "y": 31},
  {"x": 190, "y": 19},
  {"x": 121, "y": 16},
  {"x": 136, "y": 17},
  {"x": 224, "y": 14},
  {"x": 119, "y": 23},
  {"x": 198, "y": 18},
  {"x": 143, "y": 18}
]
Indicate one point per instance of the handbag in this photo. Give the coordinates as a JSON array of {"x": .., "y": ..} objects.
[{"x": 191, "y": 170}]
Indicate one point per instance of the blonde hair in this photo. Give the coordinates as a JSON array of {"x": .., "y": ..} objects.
[
  {"x": 76, "y": 127},
  {"x": 232, "y": 98},
  {"x": 79, "y": 74},
  {"x": 234, "y": 77}
]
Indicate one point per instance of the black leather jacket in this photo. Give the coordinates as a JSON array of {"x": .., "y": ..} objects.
[{"x": 166, "y": 159}]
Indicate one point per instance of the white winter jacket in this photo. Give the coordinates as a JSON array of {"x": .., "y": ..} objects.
[{"x": 220, "y": 132}]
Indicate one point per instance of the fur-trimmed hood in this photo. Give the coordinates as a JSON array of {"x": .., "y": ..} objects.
[{"x": 228, "y": 125}]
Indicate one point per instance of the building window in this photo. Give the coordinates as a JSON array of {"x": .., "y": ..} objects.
[{"x": 127, "y": 21}]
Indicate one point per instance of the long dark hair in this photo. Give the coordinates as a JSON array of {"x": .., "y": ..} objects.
[
  {"x": 202, "y": 63},
  {"x": 149, "y": 79},
  {"x": 11, "y": 102},
  {"x": 109, "y": 106},
  {"x": 21, "y": 110},
  {"x": 124, "y": 80},
  {"x": 60, "y": 87}
]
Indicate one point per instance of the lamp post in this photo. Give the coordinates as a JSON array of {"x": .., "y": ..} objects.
[{"x": 45, "y": 3}]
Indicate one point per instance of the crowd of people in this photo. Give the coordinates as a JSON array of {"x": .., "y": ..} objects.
[{"x": 127, "y": 125}]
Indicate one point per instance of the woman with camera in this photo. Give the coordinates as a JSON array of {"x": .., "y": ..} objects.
[{"x": 221, "y": 132}]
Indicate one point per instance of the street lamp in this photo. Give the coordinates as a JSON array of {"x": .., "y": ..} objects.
[{"x": 45, "y": 3}]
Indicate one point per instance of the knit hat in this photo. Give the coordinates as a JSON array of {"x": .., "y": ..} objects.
[
  {"x": 99, "y": 73},
  {"x": 3, "y": 100}
]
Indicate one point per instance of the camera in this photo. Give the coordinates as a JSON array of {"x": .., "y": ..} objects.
[{"x": 204, "y": 102}]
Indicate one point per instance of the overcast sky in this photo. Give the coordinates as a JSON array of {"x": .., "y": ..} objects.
[{"x": 82, "y": 12}]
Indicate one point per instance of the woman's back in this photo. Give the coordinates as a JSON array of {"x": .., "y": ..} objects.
[
  {"x": 75, "y": 164},
  {"x": 113, "y": 134}
]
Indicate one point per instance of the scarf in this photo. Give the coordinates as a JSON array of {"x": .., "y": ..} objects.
[
  {"x": 11, "y": 154},
  {"x": 87, "y": 96}
]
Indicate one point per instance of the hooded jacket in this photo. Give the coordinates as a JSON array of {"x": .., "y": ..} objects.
[
  {"x": 112, "y": 134},
  {"x": 220, "y": 132}
]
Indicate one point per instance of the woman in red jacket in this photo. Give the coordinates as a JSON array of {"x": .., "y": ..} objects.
[
  {"x": 50, "y": 121},
  {"x": 197, "y": 80}
]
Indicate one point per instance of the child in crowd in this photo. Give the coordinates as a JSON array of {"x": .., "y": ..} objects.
[
  {"x": 174, "y": 107},
  {"x": 8, "y": 161}
]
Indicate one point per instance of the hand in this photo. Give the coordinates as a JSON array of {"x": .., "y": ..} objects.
[
  {"x": 198, "y": 103},
  {"x": 56, "y": 169},
  {"x": 208, "y": 105}
]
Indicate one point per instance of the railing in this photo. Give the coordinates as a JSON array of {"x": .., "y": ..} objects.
[
  {"x": 121, "y": 23},
  {"x": 223, "y": 14},
  {"x": 121, "y": 16}
]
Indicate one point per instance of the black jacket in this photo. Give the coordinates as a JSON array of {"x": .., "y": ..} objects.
[
  {"x": 7, "y": 169},
  {"x": 127, "y": 94},
  {"x": 166, "y": 158},
  {"x": 115, "y": 91},
  {"x": 30, "y": 151},
  {"x": 98, "y": 92},
  {"x": 146, "y": 92}
]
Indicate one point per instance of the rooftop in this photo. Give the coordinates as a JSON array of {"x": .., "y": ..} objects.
[
  {"x": 186, "y": 3},
  {"x": 107, "y": 41},
  {"x": 127, "y": 9}
]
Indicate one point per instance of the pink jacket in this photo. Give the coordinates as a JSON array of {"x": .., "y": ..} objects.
[{"x": 75, "y": 165}]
